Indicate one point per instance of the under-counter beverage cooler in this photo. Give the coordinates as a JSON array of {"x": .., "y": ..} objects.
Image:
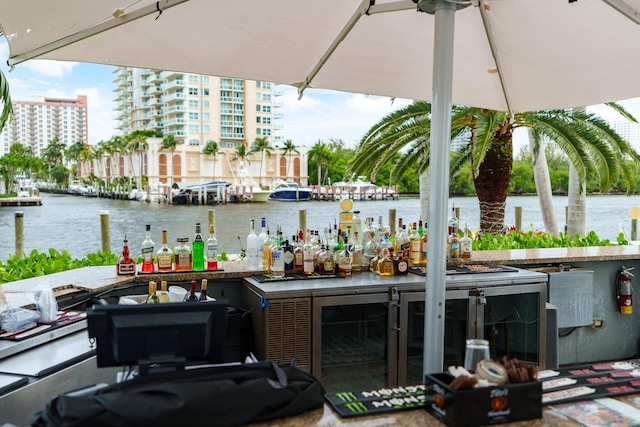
[{"x": 366, "y": 331}]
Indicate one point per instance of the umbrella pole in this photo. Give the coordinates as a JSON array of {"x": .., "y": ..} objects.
[{"x": 434, "y": 318}]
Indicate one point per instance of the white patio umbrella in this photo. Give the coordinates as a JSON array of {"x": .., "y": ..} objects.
[{"x": 509, "y": 55}]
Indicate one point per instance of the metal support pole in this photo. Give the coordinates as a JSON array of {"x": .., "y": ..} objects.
[
  {"x": 518, "y": 218},
  {"x": 439, "y": 195}
]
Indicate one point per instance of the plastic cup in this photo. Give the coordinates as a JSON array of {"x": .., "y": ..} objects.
[
  {"x": 176, "y": 293},
  {"x": 476, "y": 350}
]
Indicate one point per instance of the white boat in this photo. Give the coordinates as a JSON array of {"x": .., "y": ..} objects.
[
  {"x": 246, "y": 189},
  {"x": 289, "y": 192}
]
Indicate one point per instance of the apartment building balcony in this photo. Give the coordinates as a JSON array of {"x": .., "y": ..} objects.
[
  {"x": 168, "y": 75},
  {"x": 225, "y": 87},
  {"x": 174, "y": 108},
  {"x": 173, "y": 97},
  {"x": 174, "y": 85},
  {"x": 226, "y": 111},
  {"x": 176, "y": 121},
  {"x": 225, "y": 99},
  {"x": 238, "y": 99},
  {"x": 277, "y": 115},
  {"x": 277, "y": 92},
  {"x": 278, "y": 104},
  {"x": 278, "y": 127}
]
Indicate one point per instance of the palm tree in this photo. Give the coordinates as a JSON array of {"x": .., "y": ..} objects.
[
  {"x": 241, "y": 154},
  {"x": 170, "y": 142},
  {"x": 486, "y": 137},
  {"x": 137, "y": 143},
  {"x": 321, "y": 155},
  {"x": 73, "y": 155},
  {"x": 211, "y": 149},
  {"x": 261, "y": 145},
  {"x": 289, "y": 148}
]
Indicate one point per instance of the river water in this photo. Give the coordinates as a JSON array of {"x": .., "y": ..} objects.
[{"x": 73, "y": 222}]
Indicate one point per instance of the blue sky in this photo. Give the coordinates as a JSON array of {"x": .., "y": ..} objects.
[{"x": 319, "y": 115}]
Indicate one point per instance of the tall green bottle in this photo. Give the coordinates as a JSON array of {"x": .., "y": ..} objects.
[{"x": 197, "y": 250}]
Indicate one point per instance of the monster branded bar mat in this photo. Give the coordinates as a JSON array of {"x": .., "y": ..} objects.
[
  {"x": 466, "y": 269},
  {"x": 371, "y": 402},
  {"x": 269, "y": 278},
  {"x": 64, "y": 318}
]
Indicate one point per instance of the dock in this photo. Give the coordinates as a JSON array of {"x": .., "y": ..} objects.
[{"x": 21, "y": 201}]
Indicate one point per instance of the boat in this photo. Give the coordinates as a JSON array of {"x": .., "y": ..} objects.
[
  {"x": 288, "y": 191},
  {"x": 246, "y": 189},
  {"x": 212, "y": 189}
]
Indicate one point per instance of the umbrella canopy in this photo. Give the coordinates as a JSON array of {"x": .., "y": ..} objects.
[
  {"x": 508, "y": 55},
  {"x": 549, "y": 53}
]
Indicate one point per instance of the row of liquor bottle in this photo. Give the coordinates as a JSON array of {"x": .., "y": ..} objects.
[
  {"x": 351, "y": 246},
  {"x": 200, "y": 255},
  {"x": 162, "y": 296}
]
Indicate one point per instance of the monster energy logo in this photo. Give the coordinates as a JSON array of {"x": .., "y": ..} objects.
[
  {"x": 358, "y": 407},
  {"x": 347, "y": 397}
]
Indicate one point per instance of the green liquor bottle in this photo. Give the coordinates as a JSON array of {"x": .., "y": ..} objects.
[{"x": 197, "y": 250}]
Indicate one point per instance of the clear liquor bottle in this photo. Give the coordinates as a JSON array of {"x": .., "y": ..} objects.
[
  {"x": 164, "y": 256},
  {"x": 191, "y": 296},
  {"x": 415, "y": 253},
  {"x": 253, "y": 251},
  {"x": 152, "y": 297},
  {"x": 212, "y": 249},
  {"x": 148, "y": 252},
  {"x": 308, "y": 252},
  {"x": 203, "y": 291},
  {"x": 266, "y": 253},
  {"x": 164, "y": 294},
  {"x": 466, "y": 244},
  {"x": 182, "y": 254},
  {"x": 126, "y": 265},
  {"x": 325, "y": 261},
  {"x": 198, "y": 250},
  {"x": 357, "y": 227},
  {"x": 344, "y": 259},
  {"x": 357, "y": 252},
  {"x": 262, "y": 237},
  {"x": 277, "y": 259},
  {"x": 298, "y": 253}
]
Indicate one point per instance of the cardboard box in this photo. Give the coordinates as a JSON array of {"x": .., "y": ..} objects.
[{"x": 483, "y": 405}]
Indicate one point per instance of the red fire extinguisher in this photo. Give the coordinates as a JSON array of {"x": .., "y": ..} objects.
[{"x": 623, "y": 290}]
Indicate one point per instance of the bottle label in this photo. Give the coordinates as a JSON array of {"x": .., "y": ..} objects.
[
  {"x": 288, "y": 257},
  {"x": 299, "y": 259},
  {"x": 465, "y": 250},
  {"x": 212, "y": 252},
  {"x": 183, "y": 260},
  {"x": 164, "y": 261},
  {"x": 126, "y": 269},
  {"x": 328, "y": 265},
  {"x": 147, "y": 254},
  {"x": 402, "y": 266}
]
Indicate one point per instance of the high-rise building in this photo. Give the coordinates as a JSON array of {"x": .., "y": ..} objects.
[
  {"x": 196, "y": 109},
  {"x": 35, "y": 124},
  {"x": 629, "y": 131}
]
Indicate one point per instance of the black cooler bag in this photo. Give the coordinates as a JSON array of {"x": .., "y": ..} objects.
[{"x": 213, "y": 396}]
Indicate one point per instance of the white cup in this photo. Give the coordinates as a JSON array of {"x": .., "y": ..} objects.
[{"x": 176, "y": 293}]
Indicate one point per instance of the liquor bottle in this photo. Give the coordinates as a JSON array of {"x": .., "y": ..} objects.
[
  {"x": 403, "y": 241},
  {"x": 325, "y": 261},
  {"x": 415, "y": 253},
  {"x": 425, "y": 244},
  {"x": 298, "y": 253},
  {"x": 454, "y": 247},
  {"x": 182, "y": 254},
  {"x": 344, "y": 259},
  {"x": 197, "y": 245},
  {"x": 357, "y": 227},
  {"x": 266, "y": 253},
  {"x": 307, "y": 255},
  {"x": 212, "y": 249},
  {"x": 261, "y": 239},
  {"x": 373, "y": 265},
  {"x": 253, "y": 251},
  {"x": 164, "y": 294},
  {"x": 400, "y": 265},
  {"x": 203, "y": 291},
  {"x": 277, "y": 260},
  {"x": 369, "y": 250},
  {"x": 148, "y": 252},
  {"x": 191, "y": 296},
  {"x": 164, "y": 256},
  {"x": 385, "y": 264},
  {"x": 453, "y": 222},
  {"x": 152, "y": 297},
  {"x": 356, "y": 251},
  {"x": 466, "y": 245},
  {"x": 126, "y": 265},
  {"x": 287, "y": 255}
]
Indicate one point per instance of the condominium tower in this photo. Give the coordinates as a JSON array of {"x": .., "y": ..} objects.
[
  {"x": 36, "y": 123},
  {"x": 197, "y": 109}
]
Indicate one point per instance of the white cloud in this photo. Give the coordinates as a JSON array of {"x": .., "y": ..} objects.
[
  {"x": 44, "y": 67},
  {"x": 101, "y": 113},
  {"x": 324, "y": 114}
]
